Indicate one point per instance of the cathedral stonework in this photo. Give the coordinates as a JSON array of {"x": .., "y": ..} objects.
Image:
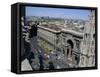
[{"x": 88, "y": 43}]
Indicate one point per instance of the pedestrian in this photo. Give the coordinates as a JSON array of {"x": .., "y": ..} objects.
[
  {"x": 51, "y": 66},
  {"x": 41, "y": 62}
]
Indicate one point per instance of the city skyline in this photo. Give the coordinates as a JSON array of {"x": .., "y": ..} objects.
[{"x": 57, "y": 12}]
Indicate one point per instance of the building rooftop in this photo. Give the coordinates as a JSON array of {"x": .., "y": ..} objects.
[
  {"x": 72, "y": 32},
  {"x": 56, "y": 29}
]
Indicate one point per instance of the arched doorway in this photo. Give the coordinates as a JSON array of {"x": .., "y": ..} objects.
[{"x": 70, "y": 46}]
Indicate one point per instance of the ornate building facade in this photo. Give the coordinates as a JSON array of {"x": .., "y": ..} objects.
[
  {"x": 75, "y": 48},
  {"x": 87, "y": 58}
]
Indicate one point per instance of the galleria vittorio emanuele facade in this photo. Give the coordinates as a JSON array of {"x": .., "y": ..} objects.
[{"x": 73, "y": 45}]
